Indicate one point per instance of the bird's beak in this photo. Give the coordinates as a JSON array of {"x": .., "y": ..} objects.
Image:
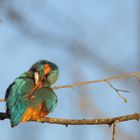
[{"x": 47, "y": 69}]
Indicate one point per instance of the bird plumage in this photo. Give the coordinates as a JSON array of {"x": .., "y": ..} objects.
[{"x": 20, "y": 108}]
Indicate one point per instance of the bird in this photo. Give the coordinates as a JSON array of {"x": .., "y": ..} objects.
[{"x": 30, "y": 97}]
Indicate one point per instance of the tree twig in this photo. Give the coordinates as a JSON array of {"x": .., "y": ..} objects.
[
  {"x": 2, "y": 100},
  {"x": 99, "y": 81},
  {"x": 108, "y": 121},
  {"x": 114, "y": 130},
  {"x": 95, "y": 81},
  {"x": 118, "y": 91}
]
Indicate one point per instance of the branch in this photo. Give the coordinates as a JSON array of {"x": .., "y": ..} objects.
[
  {"x": 136, "y": 75},
  {"x": 99, "y": 81},
  {"x": 114, "y": 130},
  {"x": 2, "y": 100},
  {"x": 118, "y": 91},
  {"x": 66, "y": 122},
  {"x": 108, "y": 121}
]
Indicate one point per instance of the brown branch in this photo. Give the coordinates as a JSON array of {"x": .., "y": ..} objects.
[
  {"x": 2, "y": 100},
  {"x": 108, "y": 121},
  {"x": 97, "y": 81},
  {"x": 114, "y": 130}
]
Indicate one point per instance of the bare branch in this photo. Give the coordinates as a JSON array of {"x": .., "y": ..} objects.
[
  {"x": 2, "y": 100},
  {"x": 98, "y": 81},
  {"x": 118, "y": 91},
  {"x": 108, "y": 121},
  {"x": 114, "y": 130}
]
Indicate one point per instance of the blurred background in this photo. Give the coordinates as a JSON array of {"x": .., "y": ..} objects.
[{"x": 88, "y": 40}]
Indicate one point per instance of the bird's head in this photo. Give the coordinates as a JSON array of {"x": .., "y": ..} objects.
[{"x": 47, "y": 69}]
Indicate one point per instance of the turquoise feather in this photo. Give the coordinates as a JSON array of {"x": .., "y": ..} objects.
[
  {"x": 16, "y": 94},
  {"x": 52, "y": 77},
  {"x": 15, "y": 103}
]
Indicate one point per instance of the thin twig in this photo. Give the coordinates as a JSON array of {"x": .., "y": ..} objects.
[
  {"x": 118, "y": 91},
  {"x": 94, "y": 81},
  {"x": 2, "y": 100},
  {"x": 99, "y": 81},
  {"x": 114, "y": 130},
  {"x": 108, "y": 121}
]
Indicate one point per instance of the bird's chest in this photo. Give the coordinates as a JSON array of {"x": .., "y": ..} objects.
[{"x": 34, "y": 113}]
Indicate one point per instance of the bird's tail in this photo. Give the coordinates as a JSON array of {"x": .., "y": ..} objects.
[{"x": 3, "y": 116}]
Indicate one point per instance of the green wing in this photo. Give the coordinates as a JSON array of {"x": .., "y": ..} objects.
[
  {"x": 48, "y": 96},
  {"x": 16, "y": 104}
]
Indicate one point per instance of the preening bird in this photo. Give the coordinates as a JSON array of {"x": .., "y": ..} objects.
[{"x": 30, "y": 97}]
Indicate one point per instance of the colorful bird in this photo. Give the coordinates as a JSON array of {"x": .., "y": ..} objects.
[{"x": 30, "y": 97}]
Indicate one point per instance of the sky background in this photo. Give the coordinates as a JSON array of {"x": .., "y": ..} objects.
[{"x": 88, "y": 40}]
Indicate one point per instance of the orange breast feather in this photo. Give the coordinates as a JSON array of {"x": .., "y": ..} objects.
[{"x": 34, "y": 113}]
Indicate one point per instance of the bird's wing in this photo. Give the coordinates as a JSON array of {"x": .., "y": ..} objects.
[
  {"x": 15, "y": 101},
  {"x": 48, "y": 96}
]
